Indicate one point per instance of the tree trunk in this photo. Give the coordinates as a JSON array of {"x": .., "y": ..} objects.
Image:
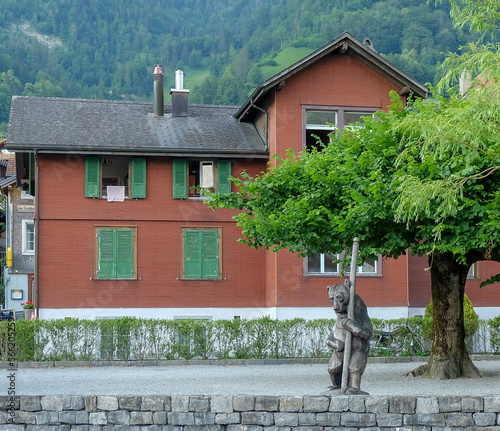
[{"x": 449, "y": 358}]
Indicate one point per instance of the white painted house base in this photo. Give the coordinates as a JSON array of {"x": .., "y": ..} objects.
[{"x": 281, "y": 313}]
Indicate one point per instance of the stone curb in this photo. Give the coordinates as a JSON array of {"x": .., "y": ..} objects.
[{"x": 220, "y": 362}]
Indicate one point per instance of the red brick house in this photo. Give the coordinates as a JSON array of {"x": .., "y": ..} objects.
[{"x": 120, "y": 228}]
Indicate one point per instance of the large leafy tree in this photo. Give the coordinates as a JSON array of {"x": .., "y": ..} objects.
[{"x": 422, "y": 178}]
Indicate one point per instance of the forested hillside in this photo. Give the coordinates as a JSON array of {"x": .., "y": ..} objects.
[{"x": 107, "y": 48}]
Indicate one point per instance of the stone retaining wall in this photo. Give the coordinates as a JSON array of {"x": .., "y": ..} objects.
[{"x": 249, "y": 413}]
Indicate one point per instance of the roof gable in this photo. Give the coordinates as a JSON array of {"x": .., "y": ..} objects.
[{"x": 341, "y": 45}]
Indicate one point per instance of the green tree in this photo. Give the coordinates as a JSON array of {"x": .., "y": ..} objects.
[{"x": 356, "y": 186}]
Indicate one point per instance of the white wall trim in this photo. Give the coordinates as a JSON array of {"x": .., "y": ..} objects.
[{"x": 281, "y": 313}]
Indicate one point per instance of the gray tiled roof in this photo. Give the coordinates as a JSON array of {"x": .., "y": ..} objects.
[{"x": 77, "y": 125}]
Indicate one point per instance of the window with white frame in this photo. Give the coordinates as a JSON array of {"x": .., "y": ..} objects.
[
  {"x": 320, "y": 122},
  {"x": 28, "y": 237},
  {"x": 325, "y": 264}
]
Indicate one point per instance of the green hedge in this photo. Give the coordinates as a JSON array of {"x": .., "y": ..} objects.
[{"x": 142, "y": 339}]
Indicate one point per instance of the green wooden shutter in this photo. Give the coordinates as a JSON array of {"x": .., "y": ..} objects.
[
  {"x": 223, "y": 174},
  {"x": 210, "y": 254},
  {"x": 92, "y": 180},
  {"x": 124, "y": 253},
  {"x": 138, "y": 182},
  {"x": 107, "y": 247},
  {"x": 179, "y": 178},
  {"x": 192, "y": 254}
]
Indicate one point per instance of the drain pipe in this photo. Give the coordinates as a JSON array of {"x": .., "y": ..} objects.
[{"x": 37, "y": 234}]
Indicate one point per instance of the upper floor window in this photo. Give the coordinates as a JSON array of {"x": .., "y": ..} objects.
[
  {"x": 191, "y": 177},
  {"x": 28, "y": 237},
  {"x": 124, "y": 176},
  {"x": 320, "y": 122},
  {"x": 324, "y": 264}
]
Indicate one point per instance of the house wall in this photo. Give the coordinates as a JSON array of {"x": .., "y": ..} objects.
[
  {"x": 333, "y": 81},
  {"x": 67, "y": 243}
]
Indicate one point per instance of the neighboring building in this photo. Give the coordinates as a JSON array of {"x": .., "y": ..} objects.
[
  {"x": 18, "y": 238},
  {"x": 120, "y": 228}
]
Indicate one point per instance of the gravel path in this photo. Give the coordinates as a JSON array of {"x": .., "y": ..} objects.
[{"x": 289, "y": 379}]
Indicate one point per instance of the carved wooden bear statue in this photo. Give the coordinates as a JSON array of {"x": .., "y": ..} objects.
[{"x": 362, "y": 330}]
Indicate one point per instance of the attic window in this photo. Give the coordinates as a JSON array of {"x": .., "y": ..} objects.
[{"x": 320, "y": 122}]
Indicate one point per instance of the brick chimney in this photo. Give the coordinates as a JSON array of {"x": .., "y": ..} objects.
[
  {"x": 179, "y": 96},
  {"x": 158, "y": 91}
]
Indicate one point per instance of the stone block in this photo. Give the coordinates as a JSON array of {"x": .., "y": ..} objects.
[
  {"x": 7, "y": 402},
  {"x": 431, "y": 419},
  {"x": 204, "y": 418},
  {"x": 221, "y": 404},
  {"x": 376, "y": 405},
  {"x": 267, "y": 403},
  {"x": 316, "y": 404},
  {"x": 118, "y": 417},
  {"x": 357, "y": 404},
  {"x": 286, "y": 419},
  {"x": 457, "y": 419},
  {"x": 129, "y": 403},
  {"x": 410, "y": 420},
  {"x": 107, "y": 403},
  {"x": 52, "y": 402},
  {"x": 153, "y": 403},
  {"x": 12, "y": 427},
  {"x": 243, "y": 403},
  {"x": 141, "y": 418},
  {"x": 492, "y": 404},
  {"x": 361, "y": 420},
  {"x": 22, "y": 417},
  {"x": 328, "y": 419},
  {"x": 389, "y": 420},
  {"x": 257, "y": 418},
  {"x": 180, "y": 418},
  {"x": 291, "y": 404},
  {"x": 339, "y": 404},
  {"x": 243, "y": 428},
  {"x": 472, "y": 404},
  {"x": 402, "y": 405},
  {"x": 30, "y": 403},
  {"x": 98, "y": 418},
  {"x": 46, "y": 427},
  {"x": 427, "y": 405},
  {"x": 160, "y": 418},
  {"x": 199, "y": 404},
  {"x": 74, "y": 417},
  {"x": 90, "y": 403},
  {"x": 307, "y": 419},
  {"x": 180, "y": 403},
  {"x": 485, "y": 419},
  {"x": 449, "y": 404},
  {"x": 227, "y": 418},
  {"x": 74, "y": 402},
  {"x": 42, "y": 418},
  {"x": 80, "y": 428},
  {"x": 203, "y": 428}
]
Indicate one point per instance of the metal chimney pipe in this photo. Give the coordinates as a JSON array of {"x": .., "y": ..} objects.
[
  {"x": 179, "y": 80},
  {"x": 158, "y": 91}
]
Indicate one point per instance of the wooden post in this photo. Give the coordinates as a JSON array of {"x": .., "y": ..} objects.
[{"x": 350, "y": 315}]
